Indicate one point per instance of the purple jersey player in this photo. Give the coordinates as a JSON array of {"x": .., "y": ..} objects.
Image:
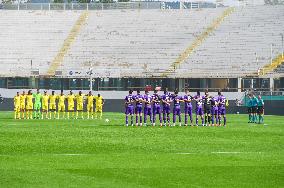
[
  {"x": 129, "y": 108},
  {"x": 214, "y": 110},
  {"x": 166, "y": 99},
  {"x": 199, "y": 111},
  {"x": 156, "y": 107},
  {"x": 222, "y": 107},
  {"x": 148, "y": 107},
  {"x": 187, "y": 107},
  {"x": 176, "y": 110},
  {"x": 139, "y": 107}
]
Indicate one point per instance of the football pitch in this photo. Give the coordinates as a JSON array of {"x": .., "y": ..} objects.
[{"x": 96, "y": 153}]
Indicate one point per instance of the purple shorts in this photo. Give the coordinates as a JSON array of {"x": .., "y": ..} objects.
[
  {"x": 147, "y": 110},
  {"x": 199, "y": 111},
  {"x": 166, "y": 110},
  {"x": 214, "y": 111},
  {"x": 138, "y": 109},
  {"x": 188, "y": 110},
  {"x": 222, "y": 111},
  {"x": 129, "y": 110},
  {"x": 157, "y": 109},
  {"x": 176, "y": 110}
]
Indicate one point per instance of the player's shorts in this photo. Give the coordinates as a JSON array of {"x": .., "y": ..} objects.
[
  {"x": 176, "y": 110},
  {"x": 23, "y": 106},
  {"x": 254, "y": 109},
  {"x": 71, "y": 108},
  {"x": 147, "y": 110},
  {"x": 17, "y": 108},
  {"x": 138, "y": 109},
  {"x": 166, "y": 110},
  {"x": 52, "y": 106},
  {"x": 37, "y": 106},
  {"x": 188, "y": 110},
  {"x": 79, "y": 107},
  {"x": 29, "y": 106},
  {"x": 199, "y": 111},
  {"x": 214, "y": 111},
  {"x": 157, "y": 109},
  {"x": 222, "y": 111},
  {"x": 61, "y": 107},
  {"x": 99, "y": 108},
  {"x": 90, "y": 108},
  {"x": 129, "y": 110},
  {"x": 249, "y": 110},
  {"x": 260, "y": 110},
  {"x": 207, "y": 109},
  {"x": 45, "y": 107}
]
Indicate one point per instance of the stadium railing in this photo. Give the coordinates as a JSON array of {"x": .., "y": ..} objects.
[{"x": 105, "y": 6}]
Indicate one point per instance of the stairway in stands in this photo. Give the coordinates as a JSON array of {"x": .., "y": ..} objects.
[{"x": 57, "y": 61}]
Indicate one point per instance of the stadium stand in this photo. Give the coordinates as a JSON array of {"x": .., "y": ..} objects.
[
  {"x": 32, "y": 35},
  {"x": 141, "y": 43}
]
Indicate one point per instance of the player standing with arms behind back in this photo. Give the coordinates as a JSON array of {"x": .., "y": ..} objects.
[
  {"x": 129, "y": 109},
  {"x": 71, "y": 104},
  {"x": 52, "y": 105},
  {"x": 214, "y": 111},
  {"x": 80, "y": 104},
  {"x": 23, "y": 97},
  {"x": 90, "y": 105},
  {"x": 37, "y": 107},
  {"x": 17, "y": 105},
  {"x": 61, "y": 105},
  {"x": 29, "y": 107},
  {"x": 99, "y": 106},
  {"x": 260, "y": 110},
  {"x": 45, "y": 99}
]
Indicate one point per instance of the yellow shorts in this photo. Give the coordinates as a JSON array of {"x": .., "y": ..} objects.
[
  {"x": 17, "y": 108},
  {"x": 99, "y": 108},
  {"x": 44, "y": 106},
  {"x": 23, "y": 106},
  {"x": 79, "y": 107},
  {"x": 29, "y": 106},
  {"x": 61, "y": 107},
  {"x": 52, "y": 106},
  {"x": 90, "y": 108},
  {"x": 71, "y": 108}
]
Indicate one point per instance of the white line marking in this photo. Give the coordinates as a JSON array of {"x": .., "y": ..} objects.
[
  {"x": 71, "y": 154},
  {"x": 185, "y": 153},
  {"x": 229, "y": 152}
]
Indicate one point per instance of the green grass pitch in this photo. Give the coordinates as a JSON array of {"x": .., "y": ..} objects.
[{"x": 96, "y": 153}]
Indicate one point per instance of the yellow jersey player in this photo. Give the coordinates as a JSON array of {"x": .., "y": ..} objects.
[
  {"x": 23, "y": 97},
  {"x": 17, "y": 105},
  {"x": 52, "y": 104},
  {"x": 80, "y": 104},
  {"x": 45, "y": 99},
  {"x": 29, "y": 106},
  {"x": 61, "y": 105},
  {"x": 99, "y": 106},
  {"x": 90, "y": 105},
  {"x": 70, "y": 99}
]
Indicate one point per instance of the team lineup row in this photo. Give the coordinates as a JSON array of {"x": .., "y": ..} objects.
[
  {"x": 210, "y": 109},
  {"x": 37, "y": 105}
]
